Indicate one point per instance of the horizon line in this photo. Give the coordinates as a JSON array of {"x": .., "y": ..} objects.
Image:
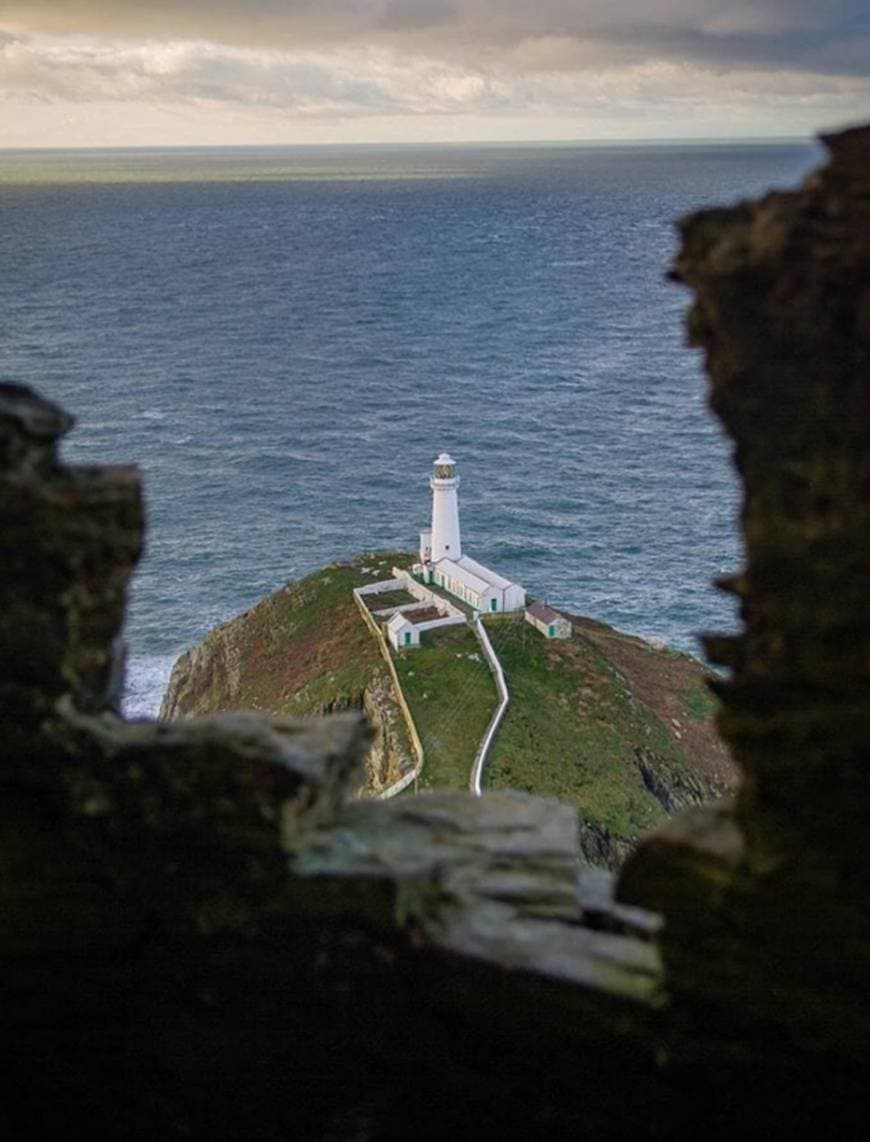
[{"x": 650, "y": 141}]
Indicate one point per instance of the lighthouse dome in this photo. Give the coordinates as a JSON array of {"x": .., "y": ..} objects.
[{"x": 445, "y": 467}]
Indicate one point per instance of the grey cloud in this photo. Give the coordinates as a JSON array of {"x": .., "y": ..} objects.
[
  {"x": 830, "y": 36},
  {"x": 180, "y": 74},
  {"x": 338, "y": 82}
]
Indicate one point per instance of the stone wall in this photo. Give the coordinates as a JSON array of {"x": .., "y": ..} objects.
[{"x": 782, "y": 311}]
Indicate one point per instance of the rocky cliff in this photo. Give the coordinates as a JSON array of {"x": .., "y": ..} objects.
[
  {"x": 303, "y": 650},
  {"x": 606, "y": 721}
]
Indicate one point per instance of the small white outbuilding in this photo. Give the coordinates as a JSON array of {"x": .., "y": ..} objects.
[
  {"x": 402, "y": 633},
  {"x": 549, "y": 622}
]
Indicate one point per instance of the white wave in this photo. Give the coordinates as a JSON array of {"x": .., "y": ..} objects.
[{"x": 147, "y": 678}]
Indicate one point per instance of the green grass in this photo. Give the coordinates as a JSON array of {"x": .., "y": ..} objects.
[
  {"x": 571, "y": 728},
  {"x": 698, "y": 702},
  {"x": 330, "y": 672},
  {"x": 386, "y": 599},
  {"x": 303, "y": 650},
  {"x": 452, "y": 696}
]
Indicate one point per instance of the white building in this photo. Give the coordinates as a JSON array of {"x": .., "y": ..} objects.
[
  {"x": 549, "y": 622},
  {"x": 442, "y": 561},
  {"x": 402, "y": 633}
]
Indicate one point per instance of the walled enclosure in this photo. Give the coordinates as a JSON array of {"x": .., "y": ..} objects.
[{"x": 203, "y": 937}]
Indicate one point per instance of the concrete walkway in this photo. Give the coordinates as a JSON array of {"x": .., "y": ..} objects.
[{"x": 504, "y": 697}]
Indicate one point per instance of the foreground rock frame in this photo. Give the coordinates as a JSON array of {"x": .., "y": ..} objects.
[{"x": 205, "y": 936}]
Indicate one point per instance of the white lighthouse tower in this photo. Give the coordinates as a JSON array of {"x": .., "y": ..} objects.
[{"x": 445, "y": 541}]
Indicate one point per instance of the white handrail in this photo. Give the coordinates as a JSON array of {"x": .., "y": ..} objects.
[{"x": 504, "y": 696}]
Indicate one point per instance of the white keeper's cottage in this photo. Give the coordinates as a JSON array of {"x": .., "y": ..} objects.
[{"x": 442, "y": 561}]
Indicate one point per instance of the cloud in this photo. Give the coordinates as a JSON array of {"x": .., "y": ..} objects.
[
  {"x": 341, "y": 82},
  {"x": 537, "y": 76},
  {"x": 831, "y": 36},
  {"x": 676, "y": 65}
]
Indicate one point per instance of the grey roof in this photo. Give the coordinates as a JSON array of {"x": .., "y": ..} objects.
[
  {"x": 485, "y": 573},
  {"x": 543, "y": 612},
  {"x": 457, "y": 571}
]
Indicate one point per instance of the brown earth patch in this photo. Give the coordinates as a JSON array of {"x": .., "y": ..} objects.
[{"x": 673, "y": 686}]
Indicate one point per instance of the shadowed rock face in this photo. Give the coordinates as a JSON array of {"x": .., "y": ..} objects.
[
  {"x": 782, "y": 310},
  {"x": 204, "y": 938},
  {"x": 70, "y": 538}
]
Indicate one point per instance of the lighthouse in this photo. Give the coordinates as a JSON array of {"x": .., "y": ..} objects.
[
  {"x": 441, "y": 560},
  {"x": 445, "y": 541}
]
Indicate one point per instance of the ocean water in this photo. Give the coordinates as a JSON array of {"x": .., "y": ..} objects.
[{"x": 283, "y": 338}]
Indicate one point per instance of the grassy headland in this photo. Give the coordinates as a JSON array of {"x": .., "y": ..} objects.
[
  {"x": 578, "y": 726},
  {"x": 603, "y": 720}
]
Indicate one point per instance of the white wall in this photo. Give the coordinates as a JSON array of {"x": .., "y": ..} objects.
[
  {"x": 449, "y": 621},
  {"x": 486, "y": 598},
  {"x": 425, "y": 545},
  {"x": 404, "y": 608},
  {"x": 397, "y": 637},
  {"x": 383, "y": 586},
  {"x": 424, "y": 594},
  {"x": 563, "y": 627},
  {"x": 514, "y": 598}
]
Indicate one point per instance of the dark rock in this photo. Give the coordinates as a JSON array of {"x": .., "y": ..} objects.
[
  {"x": 30, "y": 427},
  {"x": 673, "y": 791},
  {"x": 70, "y": 537},
  {"x": 767, "y": 901},
  {"x": 600, "y": 847}
]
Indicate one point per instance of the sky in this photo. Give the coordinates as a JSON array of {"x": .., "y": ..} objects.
[{"x": 207, "y": 72}]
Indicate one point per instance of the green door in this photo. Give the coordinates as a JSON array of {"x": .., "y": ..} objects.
[
  {"x": 552, "y": 631},
  {"x": 407, "y": 638},
  {"x": 492, "y": 604}
]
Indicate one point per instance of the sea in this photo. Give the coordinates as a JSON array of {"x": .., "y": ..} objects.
[{"x": 284, "y": 338}]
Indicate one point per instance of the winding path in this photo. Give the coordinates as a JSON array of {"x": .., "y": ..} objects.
[{"x": 504, "y": 697}]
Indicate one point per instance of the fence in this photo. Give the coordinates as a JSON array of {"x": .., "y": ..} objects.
[
  {"x": 495, "y": 721},
  {"x": 405, "y": 780}
]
